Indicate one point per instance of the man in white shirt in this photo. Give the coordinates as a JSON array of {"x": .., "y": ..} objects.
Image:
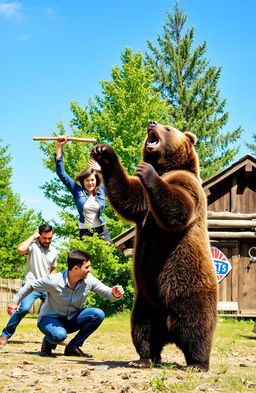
[{"x": 41, "y": 260}]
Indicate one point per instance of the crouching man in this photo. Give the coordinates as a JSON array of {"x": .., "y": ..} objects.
[{"x": 62, "y": 311}]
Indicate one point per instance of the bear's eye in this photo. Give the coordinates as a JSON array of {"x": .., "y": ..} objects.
[{"x": 167, "y": 129}]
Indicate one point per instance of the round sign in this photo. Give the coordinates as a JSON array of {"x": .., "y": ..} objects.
[{"x": 221, "y": 263}]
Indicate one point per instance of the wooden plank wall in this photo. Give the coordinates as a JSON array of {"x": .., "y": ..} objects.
[
  {"x": 247, "y": 279},
  {"x": 236, "y": 194},
  {"x": 8, "y": 288},
  {"x": 219, "y": 199},
  {"x": 239, "y": 286},
  {"x": 247, "y": 201}
]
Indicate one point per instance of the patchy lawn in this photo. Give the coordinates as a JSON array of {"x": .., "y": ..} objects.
[{"x": 233, "y": 363}]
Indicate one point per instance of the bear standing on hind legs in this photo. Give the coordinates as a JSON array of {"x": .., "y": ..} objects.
[{"x": 176, "y": 286}]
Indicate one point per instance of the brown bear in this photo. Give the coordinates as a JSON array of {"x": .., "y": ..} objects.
[{"x": 176, "y": 286}]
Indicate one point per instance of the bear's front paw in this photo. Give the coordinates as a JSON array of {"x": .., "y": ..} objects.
[
  {"x": 146, "y": 173},
  {"x": 103, "y": 154}
]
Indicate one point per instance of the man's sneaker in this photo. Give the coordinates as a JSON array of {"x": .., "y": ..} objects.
[
  {"x": 3, "y": 340},
  {"x": 46, "y": 348},
  {"x": 254, "y": 329}
]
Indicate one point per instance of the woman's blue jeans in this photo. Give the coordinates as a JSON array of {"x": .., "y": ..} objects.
[
  {"x": 23, "y": 309},
  {"x": 56, "y": 329},
  {"x": 101, "y": 231}
]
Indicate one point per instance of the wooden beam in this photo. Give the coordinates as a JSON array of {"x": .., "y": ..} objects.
[
  {"x": 233, "y": 193},
  {"x": 231, "y": 216},
  {"x": 232, "y": 235},
  {"x": 128, "y": 252},
  {"x": 124, "y": 236},
  {"x": 248, "y": 167},
  {"x": 231, "y": 223}
]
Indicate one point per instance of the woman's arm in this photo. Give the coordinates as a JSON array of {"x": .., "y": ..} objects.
[
  {"x": 59, "y": 164},
  {"x": 61, "y": 141}
]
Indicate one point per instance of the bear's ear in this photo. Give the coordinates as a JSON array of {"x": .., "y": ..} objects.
[{"x": 192, "y": 137}]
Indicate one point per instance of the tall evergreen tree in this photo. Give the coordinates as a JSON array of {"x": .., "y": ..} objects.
[
  {"x": 183, "y": 75},
  {"x": 17, "y": 222},
  {"x": 252, "y": 146}
]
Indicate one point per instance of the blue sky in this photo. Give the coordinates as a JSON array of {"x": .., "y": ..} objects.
[{"x": 53, "y": 52}]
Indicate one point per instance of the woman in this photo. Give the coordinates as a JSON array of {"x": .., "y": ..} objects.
[{"x": 88, "y": 193}]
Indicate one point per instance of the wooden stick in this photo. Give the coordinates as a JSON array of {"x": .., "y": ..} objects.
[{"x": 53, "y": 138}]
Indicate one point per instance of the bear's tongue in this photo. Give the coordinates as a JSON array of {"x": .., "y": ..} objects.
[{"x": 153, "y": 140}]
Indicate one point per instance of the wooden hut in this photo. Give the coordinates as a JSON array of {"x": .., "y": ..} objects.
[{"x": 231, "y": 195}]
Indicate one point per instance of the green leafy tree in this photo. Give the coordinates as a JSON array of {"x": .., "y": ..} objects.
[
  {"x": 17, "y": 222},
  {"x": 5, "y": 171},
  {"x": 184, "y": 77},
  {"x": 118, "y": 117},
  {"x": 128, "y": 102}
]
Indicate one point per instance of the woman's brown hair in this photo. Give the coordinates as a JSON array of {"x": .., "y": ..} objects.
[{"x": 86, "y": 173}]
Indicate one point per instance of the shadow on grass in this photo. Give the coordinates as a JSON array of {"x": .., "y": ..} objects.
[
  {"x": 23, "y": 342},
  {"x": 248, "y": 337},
  {"x": 124, "y": 364},
  {"x": 101, "y": 364}
]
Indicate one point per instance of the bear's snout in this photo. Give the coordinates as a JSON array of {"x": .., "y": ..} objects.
[{"x": 152, "y": 124}]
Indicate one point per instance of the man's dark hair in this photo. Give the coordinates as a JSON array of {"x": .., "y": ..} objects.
[
  {"x": 77, "y": 258},
  {"x": 45, "y": 228}
]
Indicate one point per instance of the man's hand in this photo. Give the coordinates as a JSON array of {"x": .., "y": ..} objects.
[
  {"x": 23, "y": 247},
  {"x": 118, "y": 291},
  {"x": 11, "y": 308},
  {"x": 36, "y": 236}
]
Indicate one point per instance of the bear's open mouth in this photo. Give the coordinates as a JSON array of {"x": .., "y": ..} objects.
[{"x": 153, "y": 140}]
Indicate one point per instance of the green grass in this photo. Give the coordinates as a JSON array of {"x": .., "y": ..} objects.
[{"x": 232, "y": 367}]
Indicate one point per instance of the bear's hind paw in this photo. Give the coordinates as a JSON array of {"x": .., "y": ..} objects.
[
  {"x": 198, "y": 367},
  {"x": 141, "y": 363}
]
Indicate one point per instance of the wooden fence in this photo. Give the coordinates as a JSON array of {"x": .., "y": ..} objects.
[{"x": 8, "y": 288}]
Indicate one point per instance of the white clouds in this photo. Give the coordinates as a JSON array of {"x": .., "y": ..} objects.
[{"x": 10, "y": 9}]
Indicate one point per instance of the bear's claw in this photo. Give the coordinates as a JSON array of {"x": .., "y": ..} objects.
[{"x": 103, "y": 154}]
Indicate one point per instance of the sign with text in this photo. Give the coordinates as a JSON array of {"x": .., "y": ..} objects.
[{"x": 221, "y": 263}]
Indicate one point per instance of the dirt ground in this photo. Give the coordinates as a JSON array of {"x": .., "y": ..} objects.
[{"x": 22, "y": 370}]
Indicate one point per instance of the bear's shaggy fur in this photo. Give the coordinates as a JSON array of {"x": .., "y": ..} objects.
[{"x": 176, "y": 287}]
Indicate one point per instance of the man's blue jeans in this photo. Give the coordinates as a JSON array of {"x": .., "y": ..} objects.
[
  {"x": 24, "y": 308},
  {"x": 86, "y": 321}
]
